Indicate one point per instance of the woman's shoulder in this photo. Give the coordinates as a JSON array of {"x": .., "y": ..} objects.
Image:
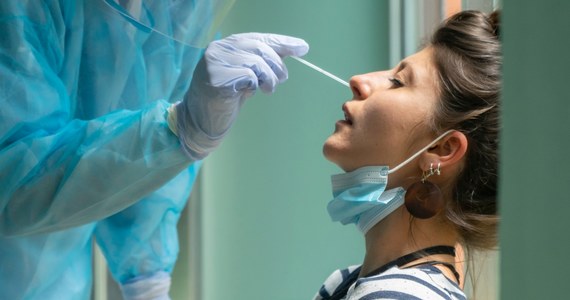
[
  {"x": 334, "y": 280},
  {"x": 425, "y": 282}
]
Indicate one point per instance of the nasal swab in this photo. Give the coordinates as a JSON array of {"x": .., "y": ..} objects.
[{"x": 310, "y": 65}]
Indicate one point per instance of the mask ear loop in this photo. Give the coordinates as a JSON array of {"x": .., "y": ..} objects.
[{"x": 396, "y": 168}]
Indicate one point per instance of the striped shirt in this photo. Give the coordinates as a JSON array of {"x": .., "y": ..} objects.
[{"x": 424, "y": 282}]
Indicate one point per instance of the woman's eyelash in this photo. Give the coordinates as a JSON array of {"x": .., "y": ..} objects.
[{"x": 396, "y": 82}]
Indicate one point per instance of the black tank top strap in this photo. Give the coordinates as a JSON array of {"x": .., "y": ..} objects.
[
  {"x": 445, "y": 264},
  {"x": 343, "y": 288}
]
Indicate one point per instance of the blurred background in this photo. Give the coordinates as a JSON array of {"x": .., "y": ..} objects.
[{"x": 256, "y": 226}]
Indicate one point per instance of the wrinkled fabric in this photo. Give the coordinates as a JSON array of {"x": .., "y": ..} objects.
[
  {"x": 143, "y": 238},
  {"x": 153, "y": 287},
  {"x": 47, "y": 266},
  {"x": 83, "y": 136}
]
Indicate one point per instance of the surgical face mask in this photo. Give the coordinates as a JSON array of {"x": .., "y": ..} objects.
[{"x": 360, "y": 196}]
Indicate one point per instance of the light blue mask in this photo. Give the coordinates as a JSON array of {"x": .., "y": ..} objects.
[{"x": 361, "y": 197}]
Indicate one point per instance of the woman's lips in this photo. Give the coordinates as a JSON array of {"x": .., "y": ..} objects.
[{"x": 347, "y": 116}]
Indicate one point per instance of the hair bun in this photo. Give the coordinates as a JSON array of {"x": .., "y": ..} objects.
[{"x": 495, "y": 20}]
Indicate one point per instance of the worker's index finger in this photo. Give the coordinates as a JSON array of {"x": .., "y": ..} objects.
[{"x": 282, "y": 44}]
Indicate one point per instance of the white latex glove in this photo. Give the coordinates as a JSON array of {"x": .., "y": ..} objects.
[
  {"x": 231, "y": 70},
  {"x": 154, "y": 287}
]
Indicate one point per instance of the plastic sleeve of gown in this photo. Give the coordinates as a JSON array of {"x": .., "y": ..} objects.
[
  {"x": 82, "y": 134},
  {"x": 142, "y": 239},
  {"x": 51, "y": 266},
  {"x": 75, "y": 78}
]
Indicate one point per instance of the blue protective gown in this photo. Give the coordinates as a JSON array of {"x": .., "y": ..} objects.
[{"x": 85, "y": 150}]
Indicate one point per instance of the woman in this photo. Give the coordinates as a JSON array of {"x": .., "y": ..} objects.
[{"x": 424, "y": 135}]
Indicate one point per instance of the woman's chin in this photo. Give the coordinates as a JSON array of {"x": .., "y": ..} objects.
[
  {"x": 329, "y": 151},
  {"x": 332, "y": 153}
]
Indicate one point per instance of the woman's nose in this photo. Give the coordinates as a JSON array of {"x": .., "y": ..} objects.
[{"x": 360, "y": 86}]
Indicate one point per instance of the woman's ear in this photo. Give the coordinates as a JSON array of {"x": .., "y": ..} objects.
[{"x": 449, "y": 151}]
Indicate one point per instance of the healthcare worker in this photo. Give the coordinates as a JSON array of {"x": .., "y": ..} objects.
[{"x": 93, "y": 142}]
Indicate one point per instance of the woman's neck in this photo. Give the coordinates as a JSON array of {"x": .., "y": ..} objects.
[{"x": 398, "y": 235}]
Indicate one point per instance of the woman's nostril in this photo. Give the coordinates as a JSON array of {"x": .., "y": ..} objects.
[
  {"x": 358, "y": 87},
  {"x": 356, "y": 92}
]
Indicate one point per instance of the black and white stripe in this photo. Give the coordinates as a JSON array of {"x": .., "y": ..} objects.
[{"x": 425, "y": 283}]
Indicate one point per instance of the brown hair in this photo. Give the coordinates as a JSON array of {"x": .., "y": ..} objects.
[{"x": 468, "y": 61}]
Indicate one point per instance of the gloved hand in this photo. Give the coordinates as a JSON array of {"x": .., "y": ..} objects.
[
  {"x": 153, "y": 287},
  {"x": 231, "y": 70}
]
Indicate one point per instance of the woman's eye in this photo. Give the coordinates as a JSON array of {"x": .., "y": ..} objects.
[{"x": 396, "y": 83}]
